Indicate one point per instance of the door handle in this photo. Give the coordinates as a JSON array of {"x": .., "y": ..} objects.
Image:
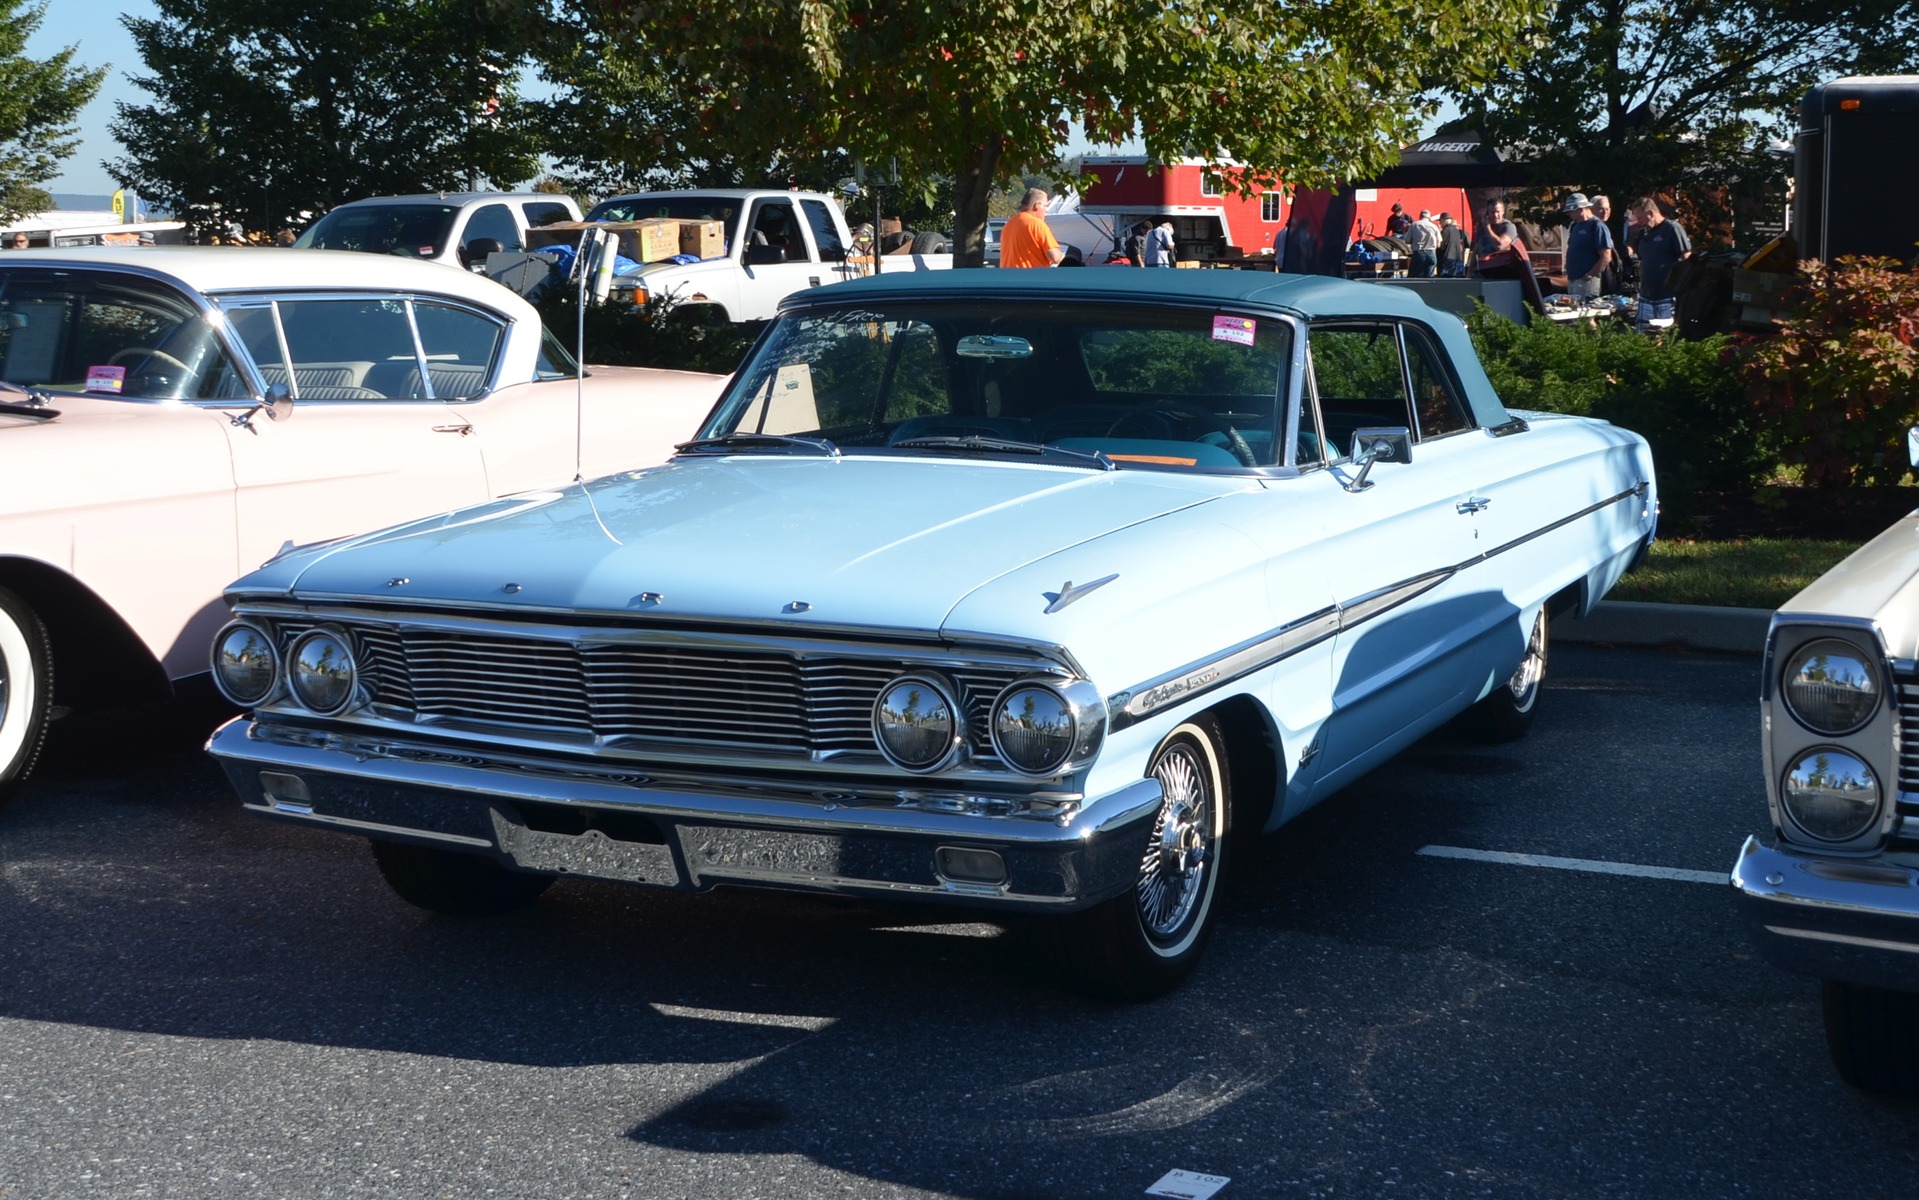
[
  {"x": 1474, "y": 504},
  {"x": 462, "y": 429}
]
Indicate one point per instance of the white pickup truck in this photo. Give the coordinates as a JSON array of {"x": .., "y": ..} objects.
[{"x": 777, "y": 243}]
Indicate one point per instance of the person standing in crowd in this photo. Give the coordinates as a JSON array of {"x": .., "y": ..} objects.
[
  {"x": 1135, "y": 249},
  {"x": 1452, "y": 247},
  {"x": 1026, "y": 241},
  {"x": 1661, "y": 245},
  {"x": 1422, "y": 243},
  {"x": 1495, "y": 233},
  {"x": 1588, "y": 249},
  {"x": 1159, "y": 245},
  {"x": 1397, "y": 223},
  {"x": 1610, "y": 278}
]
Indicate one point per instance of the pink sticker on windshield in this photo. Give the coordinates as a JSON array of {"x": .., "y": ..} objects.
[
  {"x": 106, "y": 379},
  {"x": 1234, "y": 329}
]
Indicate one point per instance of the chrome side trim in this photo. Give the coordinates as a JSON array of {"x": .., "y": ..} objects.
[
  {"x": 1196, "y": 679},
  {"x": 1204, "y": 675}
]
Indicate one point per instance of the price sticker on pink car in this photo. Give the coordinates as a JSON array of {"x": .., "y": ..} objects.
[{"x": 106, "y": 379}]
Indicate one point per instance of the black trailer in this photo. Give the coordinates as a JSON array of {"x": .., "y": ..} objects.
[{"x": 1854, "y": 170}]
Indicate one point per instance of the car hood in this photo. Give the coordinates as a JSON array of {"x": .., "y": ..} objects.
[{"x": 855, "y": 541}]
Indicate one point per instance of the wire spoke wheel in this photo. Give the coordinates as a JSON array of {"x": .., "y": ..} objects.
[
  {"x": 1144, "y": 942},
  {"x": 1178, "y": 860}
]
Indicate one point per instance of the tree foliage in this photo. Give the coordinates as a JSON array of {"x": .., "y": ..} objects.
[
  {"x": 1635, "y": 96},
  {"x": 265, "y": 111},
  {"x": 978, "y": 91},
  {"x": 1840, "y": 379},
  {"x": 40, "y": 103}
]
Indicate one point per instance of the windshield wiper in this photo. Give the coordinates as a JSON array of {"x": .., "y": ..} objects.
[
  {"x": 975, "y": 443},
  {"x": 740, "y": 440}
]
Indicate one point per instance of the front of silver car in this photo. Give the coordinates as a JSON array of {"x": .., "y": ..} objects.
[{"x": 1834, "y": 891}]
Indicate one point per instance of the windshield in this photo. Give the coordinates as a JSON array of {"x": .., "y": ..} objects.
[
  {"x": 678, "y": 208},
  {"x": 1170, "y": 388},
  {"x": 411, "y": 229}
]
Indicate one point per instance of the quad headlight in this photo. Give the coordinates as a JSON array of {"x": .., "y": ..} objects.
[
  {"x": 1830, "y": 687},
  {"x": 246, "y": 666},
  {"x": 1039, "y": 726},
  {"x": 1830, "y": 794},
  {"x": 321, "y": 671},
  {"x": 918, "y": 722}
]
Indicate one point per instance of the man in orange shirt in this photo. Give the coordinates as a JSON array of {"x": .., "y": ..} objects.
[{"x": 1026, "y": 241}]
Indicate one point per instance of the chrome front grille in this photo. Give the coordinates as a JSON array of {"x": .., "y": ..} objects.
[
  {"x": 750, "y": 698},
  {"x": 1906, "y": 690}
]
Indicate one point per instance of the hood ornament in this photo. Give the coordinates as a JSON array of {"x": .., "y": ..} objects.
[
  {"x": 798, "y": 606},
  {"x": 1068, "y": 593}
]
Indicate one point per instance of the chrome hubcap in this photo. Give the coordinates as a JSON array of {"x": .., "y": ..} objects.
[{"x": 1173, "y": 873}]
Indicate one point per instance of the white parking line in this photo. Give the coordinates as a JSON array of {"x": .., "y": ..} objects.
[{"x": 1576, "y": 864}]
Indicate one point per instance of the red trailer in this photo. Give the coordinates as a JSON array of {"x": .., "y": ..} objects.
[{"x": 1213, "y": 223}]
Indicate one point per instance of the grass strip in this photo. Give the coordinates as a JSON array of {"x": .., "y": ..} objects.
[{"x": 1745, "y": 573}]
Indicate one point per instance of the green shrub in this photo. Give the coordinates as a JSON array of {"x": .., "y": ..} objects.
[
  {"x": 1684, "y": 397},
  {"x": 654, "y": 334},
  {"x": 1840, "y": 378}
]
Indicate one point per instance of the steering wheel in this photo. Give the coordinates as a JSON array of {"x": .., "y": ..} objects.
[
  {"x": 162, "y": 370},
  {"x": 1187, "y": 411}
]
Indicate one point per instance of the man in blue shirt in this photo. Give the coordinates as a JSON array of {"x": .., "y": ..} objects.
[
  {"x": 1588, "y": 249},
  {"x": 1662, "y": 244}
]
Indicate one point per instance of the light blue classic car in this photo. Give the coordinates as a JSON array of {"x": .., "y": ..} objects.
[{"x": 1018, "y": 590}]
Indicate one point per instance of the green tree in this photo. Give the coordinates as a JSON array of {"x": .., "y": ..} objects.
[
  {"x": 40, "y": 103},
  {"x": 978, "y": 91},
  {"x": 266, "y": 111},
  {"x": 1633, "y": 96}
]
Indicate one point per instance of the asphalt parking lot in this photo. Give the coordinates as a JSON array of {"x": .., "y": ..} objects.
[{"x": 1483, "y": 971}]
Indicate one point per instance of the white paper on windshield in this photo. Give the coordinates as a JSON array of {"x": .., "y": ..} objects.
[{"x": 1187, "y": 1185}]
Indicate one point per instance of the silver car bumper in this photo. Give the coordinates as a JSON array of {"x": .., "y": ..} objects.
[
  {"x": 692, "y": 832},
  {"x": 1843, "y": 919}
]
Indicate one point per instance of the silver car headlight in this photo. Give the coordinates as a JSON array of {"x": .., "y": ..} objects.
[
  {"x": 321, "y": 671},
  {"x": 1830, "y": 687},
  {"x": 1830, "y": 794},
  {"x": 1039, "y": 726},
  {"x": 918, "y": 722},
  {"x": 246, "y": 665}
]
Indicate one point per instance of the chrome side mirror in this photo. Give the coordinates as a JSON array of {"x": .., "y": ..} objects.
[
  {"x": 1379, "y": 443},
  {"x": 278, "y": 406}
]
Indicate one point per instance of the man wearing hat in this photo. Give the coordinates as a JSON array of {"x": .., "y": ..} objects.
[
  {"x": 1588, "y": 248},
  {"x": 1452, "y": 247}
]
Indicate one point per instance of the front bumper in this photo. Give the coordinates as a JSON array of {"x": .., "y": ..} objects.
[
  {"x": 694, "y": 832},
  {"x": 1855, "y": 921}
]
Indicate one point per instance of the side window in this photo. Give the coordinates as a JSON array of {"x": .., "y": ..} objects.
[
  {"x": 1436, "y": 404},
  {"x": 493, "y": 221},
  {"x": 459, "y": 345},
  {"x": 106, "y": 333},
  {"x": 544, "y": 212},
  {"x": 773, "y": 225},
  {"x": 1357, "y": 375},
  {"x": 332, "y": 349},
  {"x": 825, "y": 235}
]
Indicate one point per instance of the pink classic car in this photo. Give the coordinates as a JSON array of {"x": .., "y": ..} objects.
[{"x": 171, "y": 417}]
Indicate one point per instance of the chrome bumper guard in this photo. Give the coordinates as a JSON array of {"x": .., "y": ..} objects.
[
  {"x": 690, "y": 832},
  {"x": 1834, "y": 918}
]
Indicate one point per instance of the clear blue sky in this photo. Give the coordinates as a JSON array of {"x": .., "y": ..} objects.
[{"x": 93, "y": 28}]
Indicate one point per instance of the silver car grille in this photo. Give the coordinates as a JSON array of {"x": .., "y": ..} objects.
[{"x": 741, "y": 698}]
